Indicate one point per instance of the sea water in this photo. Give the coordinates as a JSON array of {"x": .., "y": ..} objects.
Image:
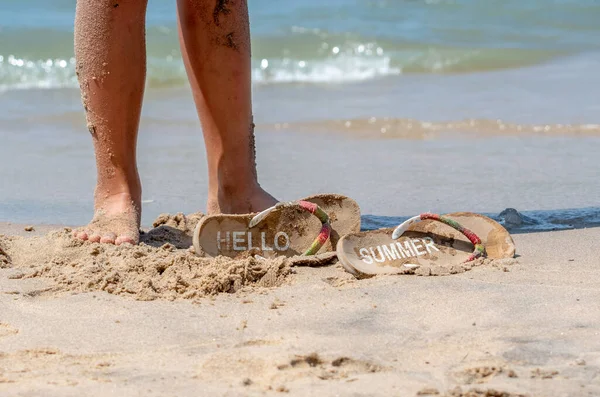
[
  {"x": 332, "y": 41},
  {"x": 520, "y": 76}
]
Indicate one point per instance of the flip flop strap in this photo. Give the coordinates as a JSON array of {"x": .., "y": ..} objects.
[
  {"x": 473, "y": 238},
  {"x": 306, "y": 206}
]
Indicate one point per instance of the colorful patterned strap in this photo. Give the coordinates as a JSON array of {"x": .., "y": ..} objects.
[
  {"x": 473, "y": 238},
  {"x": 307, "y": 206}
]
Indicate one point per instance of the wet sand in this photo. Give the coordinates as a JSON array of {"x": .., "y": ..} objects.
[{"x": 530, "y": 328}]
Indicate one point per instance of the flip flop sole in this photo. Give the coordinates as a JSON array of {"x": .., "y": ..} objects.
[
  {"x": 289, "y": 231},
  {"x": 344, "y": 214},
  {"x": 425, "y": 244}
]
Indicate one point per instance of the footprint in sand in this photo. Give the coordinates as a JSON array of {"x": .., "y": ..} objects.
[
  {"x": 483, "y": 374},
  {"x": 261, "y": 370},
  {"x": 338, "y": 368},
  {"x": 6, "y": 330}
]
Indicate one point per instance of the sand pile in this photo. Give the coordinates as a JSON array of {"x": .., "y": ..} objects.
[
  {"x": 4, "y": 258},
  {"x": 162, "y": 266}
]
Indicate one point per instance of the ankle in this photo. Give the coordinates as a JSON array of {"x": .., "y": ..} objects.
[
  {"x": 231, "y": 198},
  {"x": 238, "y": 187},
  {"x": 118, "y": 196},
  {"x": 236, "y": 180},
  {"x": 235, "y": 166},
  {"x": 238, "y": 200}
]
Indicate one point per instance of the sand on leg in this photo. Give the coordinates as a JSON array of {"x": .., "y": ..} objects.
[
  {"x": 110, "y": 52},
  {"x": 215, "y": 43}
]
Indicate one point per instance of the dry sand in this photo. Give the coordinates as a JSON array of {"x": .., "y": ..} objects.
[{"x": 81, "y": 319}]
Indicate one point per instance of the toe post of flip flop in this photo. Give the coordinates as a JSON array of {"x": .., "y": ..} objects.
[
  {"x": 423, "y": 242},
  {"x": 305, "y": 227}
]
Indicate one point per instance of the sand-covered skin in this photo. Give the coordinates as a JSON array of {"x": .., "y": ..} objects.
[{"x": 112, "y": 229}]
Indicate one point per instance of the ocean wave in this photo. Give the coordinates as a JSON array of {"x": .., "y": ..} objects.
[
  {"x": 317, "y": 42},
  {"x": 294, "y": 55},
  {"x": 338, "y": 70},
  {"x": 19, "y": 73},
  {"x": 325, "y": 62}
]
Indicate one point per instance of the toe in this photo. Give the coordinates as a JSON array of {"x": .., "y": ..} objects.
[
  {"x": 94, "y": 238},
  {"x": 124, "y": 239},
  {"x": 81, "y": 234},
  {"x": 108, "y": 238}
]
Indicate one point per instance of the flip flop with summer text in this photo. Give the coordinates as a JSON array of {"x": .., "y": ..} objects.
[
  {"x": 425, "y": 242},
  {"x": 301, "y": 228}
]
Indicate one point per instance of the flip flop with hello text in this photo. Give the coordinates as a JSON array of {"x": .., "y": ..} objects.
[
  {"x": 424, "y": 242},
  {"x": 343, "y": 212},
  {"x": 302, "y": 228}
]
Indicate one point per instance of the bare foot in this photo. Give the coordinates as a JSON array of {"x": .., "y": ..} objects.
[
  {"x": 235, "y": 202},
  {"x": 116, "y": 221}
]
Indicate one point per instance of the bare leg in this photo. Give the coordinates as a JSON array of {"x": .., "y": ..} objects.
[
  {"x": 215, "y": 42},
  {"x": 111, "y": 65}
]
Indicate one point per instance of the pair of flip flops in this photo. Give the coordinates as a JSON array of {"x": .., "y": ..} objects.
[{"x": 324, "y": 223}]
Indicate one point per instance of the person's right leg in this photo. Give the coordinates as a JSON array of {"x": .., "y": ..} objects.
[
  {"x": 215, "y": 42},
  {"x": 110, "y": 53}
]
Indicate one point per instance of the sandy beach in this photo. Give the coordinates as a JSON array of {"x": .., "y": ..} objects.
[
  {"x": 527, "y": 327},
  {"x": 404, "y": 106}
]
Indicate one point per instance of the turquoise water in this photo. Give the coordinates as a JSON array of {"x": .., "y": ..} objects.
[{"x": 334, "y": 41}]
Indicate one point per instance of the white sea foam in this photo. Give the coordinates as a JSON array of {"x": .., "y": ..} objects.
[
  {"x": 19, "y": 73},
  {"x": 341, "y": 69}
]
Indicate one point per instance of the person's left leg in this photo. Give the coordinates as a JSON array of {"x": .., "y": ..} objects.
[{"x": 215, "y": 43}]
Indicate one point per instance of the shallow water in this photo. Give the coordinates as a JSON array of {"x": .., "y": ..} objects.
[
  {"x": 46, "y": 179},
  {"x": 375, "y": 119}
]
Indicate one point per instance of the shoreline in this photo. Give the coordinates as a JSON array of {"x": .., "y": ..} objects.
[{"x": 517, "y": 222}]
